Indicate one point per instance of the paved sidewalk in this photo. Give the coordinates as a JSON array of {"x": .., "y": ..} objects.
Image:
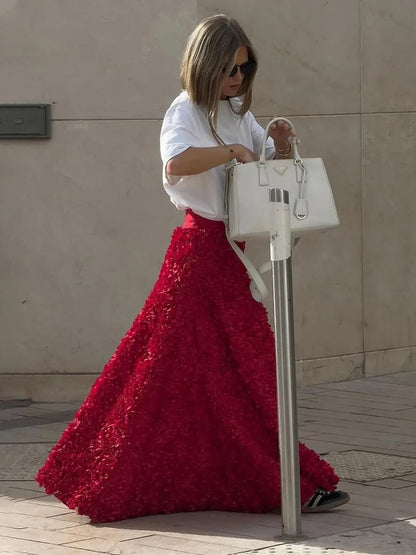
[{"x": 365, "y": 428}]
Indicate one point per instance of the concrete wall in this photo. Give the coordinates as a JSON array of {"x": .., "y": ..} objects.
[{"x": 85, "y": 222}]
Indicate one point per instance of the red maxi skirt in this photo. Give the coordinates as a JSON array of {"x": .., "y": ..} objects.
[{"x": 184, "y": 415}]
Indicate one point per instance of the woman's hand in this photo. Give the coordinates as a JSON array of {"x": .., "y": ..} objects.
[
  {"x": 280, "y": 132},
  {"x": 242, "y": 154}
]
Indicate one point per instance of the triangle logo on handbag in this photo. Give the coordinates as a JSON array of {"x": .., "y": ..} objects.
[{"x": 281, "y": 170}]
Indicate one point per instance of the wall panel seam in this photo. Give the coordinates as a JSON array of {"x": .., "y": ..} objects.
[
  {"x": 335, "y": 114},
  {"x": 360, "y": 39}
]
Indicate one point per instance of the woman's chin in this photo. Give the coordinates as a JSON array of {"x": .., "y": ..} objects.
[{"x": 230, "y": 92}]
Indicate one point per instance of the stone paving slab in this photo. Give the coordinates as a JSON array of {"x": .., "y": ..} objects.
[
  {"x": 402, "y": 378},
  {"x": 365, "y": 466},
  {"x": 391, "y": 483},
  {"x": 20, "y": 460},
  {"x": 368, "y": 420}
]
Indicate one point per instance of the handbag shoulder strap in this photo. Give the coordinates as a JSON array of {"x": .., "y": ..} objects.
[{"x": 257, "y": 287}]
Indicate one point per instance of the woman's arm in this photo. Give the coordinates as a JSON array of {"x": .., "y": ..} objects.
[{"x": 197, "y": 160}]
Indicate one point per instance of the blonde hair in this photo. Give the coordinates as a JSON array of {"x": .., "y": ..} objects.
[{"x": 208, "y": 58}]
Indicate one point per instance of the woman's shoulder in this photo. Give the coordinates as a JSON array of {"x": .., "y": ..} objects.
[{"x": 182, "y": 103}]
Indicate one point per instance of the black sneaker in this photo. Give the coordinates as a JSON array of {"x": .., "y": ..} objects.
[{"x": 323, "y": 500}]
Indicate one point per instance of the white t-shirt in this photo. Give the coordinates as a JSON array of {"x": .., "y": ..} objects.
[{"x": 184, "y": 126}]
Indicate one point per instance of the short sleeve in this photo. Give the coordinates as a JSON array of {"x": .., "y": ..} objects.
[
  {"x": 257, "y": 133},
  {"x": 177, "y": 135}
]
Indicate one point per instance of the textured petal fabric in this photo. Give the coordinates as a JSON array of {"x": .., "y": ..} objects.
[{"x": 184, "y": 415}]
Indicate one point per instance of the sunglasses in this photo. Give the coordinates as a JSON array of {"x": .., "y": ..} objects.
[{"x": 246, "y": 69}]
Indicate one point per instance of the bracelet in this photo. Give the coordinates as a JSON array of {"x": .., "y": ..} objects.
[{"x": 284, "y": 152}]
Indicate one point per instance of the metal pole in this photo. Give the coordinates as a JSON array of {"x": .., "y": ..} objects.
[{"x": 280, "y": 255}]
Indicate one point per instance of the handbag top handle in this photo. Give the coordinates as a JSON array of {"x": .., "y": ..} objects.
[
  {"x": 301, "y": 206},
  {"x": 293, "y": 140}
]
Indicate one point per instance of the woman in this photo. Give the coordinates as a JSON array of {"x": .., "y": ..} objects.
[{"x": 183, "y": 416}]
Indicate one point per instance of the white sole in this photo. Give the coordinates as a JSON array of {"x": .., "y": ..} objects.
[{"x": 327, "y": 506}]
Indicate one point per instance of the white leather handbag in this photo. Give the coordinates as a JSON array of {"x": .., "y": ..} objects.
[
  {"x": 247, "y": 187},
  {"x": 247, "y": 205}
]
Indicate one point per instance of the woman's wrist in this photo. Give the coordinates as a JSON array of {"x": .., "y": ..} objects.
[
  {"x": 235, "y": 151},
  {"x": 231, "y": 152},
  {"x": 283, "y": 148}
]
